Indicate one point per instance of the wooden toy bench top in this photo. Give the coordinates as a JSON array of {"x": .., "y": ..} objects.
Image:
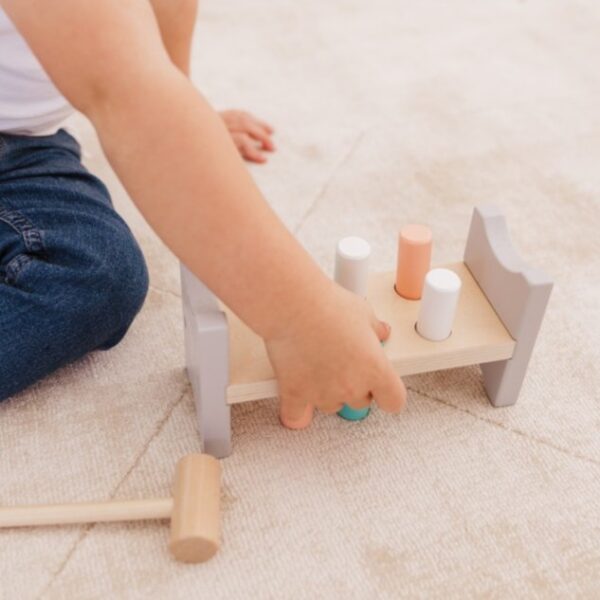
[{"x": 478, "y": 337}]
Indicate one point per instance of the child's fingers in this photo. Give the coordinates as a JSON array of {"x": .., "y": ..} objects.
[
  {"x": 382, "y": 329},
  {"x": 360, "y": 404},
  {"x": 291, "y": 410},
  {"x": 262, "y": 124},
  {"x": 247, "y": 148},
  {"x": 269, "y": 129},
  {"x": 389, "y": 392},
  {"x": 330, "y": 409},
  {"x": 251, "y": 152},
  {"x": 261, "y": 135}
]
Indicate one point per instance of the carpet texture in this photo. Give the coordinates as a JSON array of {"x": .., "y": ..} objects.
[{"x": 386, "y": 112}]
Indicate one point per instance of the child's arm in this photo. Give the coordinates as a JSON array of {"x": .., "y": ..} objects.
[
  {"x": 174, "y": 157},
  {"x": 176, "y": 20}
]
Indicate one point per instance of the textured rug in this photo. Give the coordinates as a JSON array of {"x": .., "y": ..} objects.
[{"x": 386, "y": 112}]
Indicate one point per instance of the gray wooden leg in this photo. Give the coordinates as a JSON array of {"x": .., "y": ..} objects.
[
  {"x": 519, "y": 294},
  {"x": 207, "y": 361}
]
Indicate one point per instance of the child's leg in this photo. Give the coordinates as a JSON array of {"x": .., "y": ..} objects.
[{"x": 72, "y": 277}]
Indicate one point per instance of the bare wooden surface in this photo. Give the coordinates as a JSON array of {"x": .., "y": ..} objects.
[{"x": 478, "y": 337}]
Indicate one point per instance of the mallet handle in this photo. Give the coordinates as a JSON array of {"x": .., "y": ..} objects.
[{"x": 85, "y": 512}]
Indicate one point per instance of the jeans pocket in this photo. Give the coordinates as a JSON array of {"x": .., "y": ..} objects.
[{"x": 18, "y": 249}]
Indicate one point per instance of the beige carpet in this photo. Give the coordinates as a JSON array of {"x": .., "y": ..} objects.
[{"x": 386, "y": 112}]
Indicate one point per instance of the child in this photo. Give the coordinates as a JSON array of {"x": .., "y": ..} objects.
[{"x": 72, "y": 277}]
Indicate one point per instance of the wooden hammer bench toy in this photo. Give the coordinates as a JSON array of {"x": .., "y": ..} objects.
[{"x": 486, "y": 310}]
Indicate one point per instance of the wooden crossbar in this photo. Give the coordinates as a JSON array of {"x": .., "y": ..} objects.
[{"x": 478, "y": 336}]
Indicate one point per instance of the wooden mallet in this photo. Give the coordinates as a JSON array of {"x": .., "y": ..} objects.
[{"x": 193, "y": 510}]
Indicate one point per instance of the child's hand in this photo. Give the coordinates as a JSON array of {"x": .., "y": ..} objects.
[
  {"x": 250, "y": 135},
  {"x": 331, "y": 355}
]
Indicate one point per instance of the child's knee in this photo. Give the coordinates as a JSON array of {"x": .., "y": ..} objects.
[
  {"x": 55, "y": 311},
  {"x": 104, "y": 289},
  {"x": 122, "y": 282}
]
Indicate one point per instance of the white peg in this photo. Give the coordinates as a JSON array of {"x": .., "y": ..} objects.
[
  {"x": 438, "y": 304},
  {"x": 352, "y": 264}
]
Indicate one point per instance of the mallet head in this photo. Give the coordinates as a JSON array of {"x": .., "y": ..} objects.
[{"x": 195, "y": 523}]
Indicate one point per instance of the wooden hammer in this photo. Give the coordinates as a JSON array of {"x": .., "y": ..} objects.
[{"x": 193, "y": 510}]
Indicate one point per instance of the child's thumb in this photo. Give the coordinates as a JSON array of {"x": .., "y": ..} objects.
[{"x": 295, "y": 416}]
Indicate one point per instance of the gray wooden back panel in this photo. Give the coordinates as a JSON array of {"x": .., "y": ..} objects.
[
  {"x": 207, "y": 360},
  {"x": 518, "y": 292}
]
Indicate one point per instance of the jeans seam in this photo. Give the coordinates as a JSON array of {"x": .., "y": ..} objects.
[
  {"x": 14, "y": 267},
  {"x": 32, "y": 240}
]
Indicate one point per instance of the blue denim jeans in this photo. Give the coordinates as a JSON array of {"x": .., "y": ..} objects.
[{"x": 72, "y": 277}]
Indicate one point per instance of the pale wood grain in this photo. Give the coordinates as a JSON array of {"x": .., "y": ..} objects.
[
  {"x": 85, "y": 512},
  {"x": 478, "y": 337}
]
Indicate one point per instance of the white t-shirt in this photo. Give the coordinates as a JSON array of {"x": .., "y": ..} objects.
[{"x": 30, "y": 104}]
